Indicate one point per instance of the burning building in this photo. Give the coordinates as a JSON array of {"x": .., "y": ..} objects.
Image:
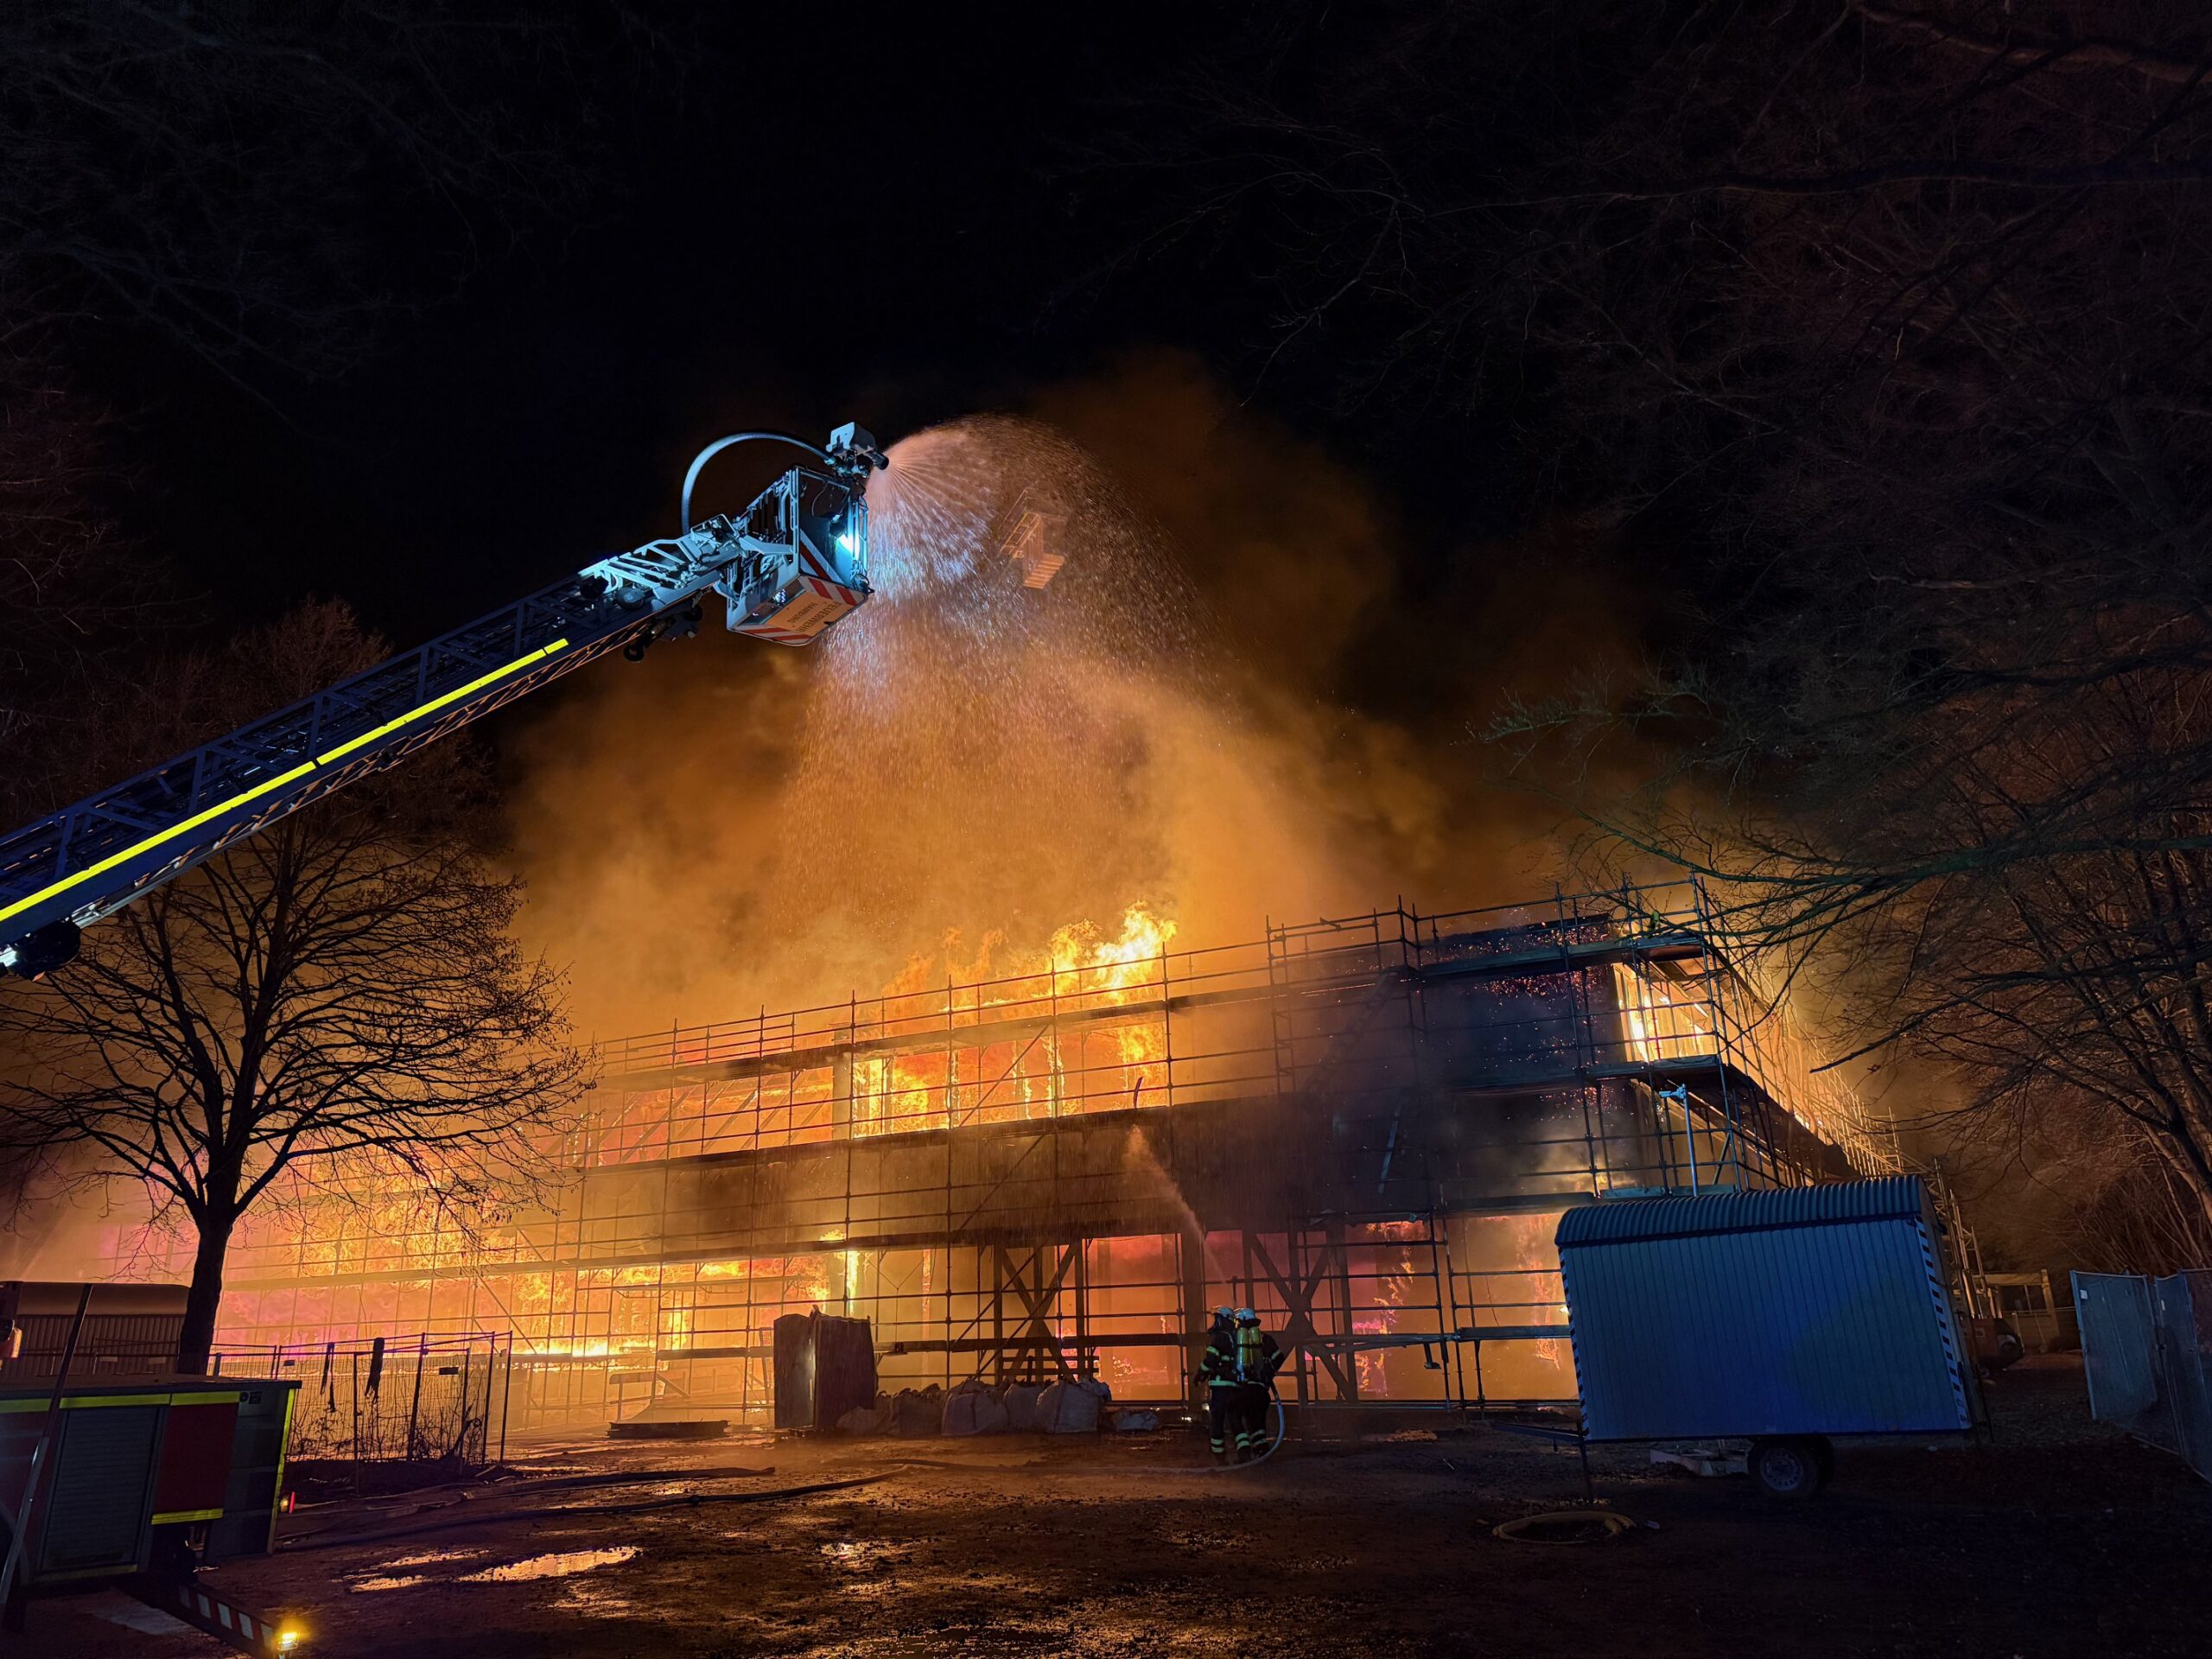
[
  {"x": 1023, "y": 1168},
  {"x": 1362, "y": 1127}
]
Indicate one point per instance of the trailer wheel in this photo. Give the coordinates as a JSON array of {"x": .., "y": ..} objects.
[{"x": 1792, "y": 1467}]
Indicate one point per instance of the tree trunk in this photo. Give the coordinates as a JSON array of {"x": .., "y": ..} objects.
[{"x": 206, "y": 1296}]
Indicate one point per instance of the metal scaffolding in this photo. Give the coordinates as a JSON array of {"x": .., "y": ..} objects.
[{"x": 1364, "y": 1127}]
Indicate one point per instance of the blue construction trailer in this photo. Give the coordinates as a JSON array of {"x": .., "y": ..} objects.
[{"x": 1787, "y": 1318}]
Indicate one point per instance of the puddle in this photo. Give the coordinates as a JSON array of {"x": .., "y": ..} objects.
[
  {"x": 592, "y": 1602},
  {"x": 432, "y": 1557},
  {"x": 407, "y": 1582},
  {"x": 864, "y": 1563},
  {"x": 1200, "y": 1538},
  {"x": 549, "y": 1566},
  {"x": 860, "y": 1557}
]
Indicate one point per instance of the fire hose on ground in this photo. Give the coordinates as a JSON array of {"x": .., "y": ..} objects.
[{"x": 1282, "y": 1432}]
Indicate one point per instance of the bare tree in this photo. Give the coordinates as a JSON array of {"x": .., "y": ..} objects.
[
  {"x": 2125, "y": 1211},
  {"x": 263, "y": 186},
  {"x": 267, "y": 182},
  {"x": 342, "y": 990},
  {"x": 1887, "y": 329},
  {"x": 62, "y": 579}
]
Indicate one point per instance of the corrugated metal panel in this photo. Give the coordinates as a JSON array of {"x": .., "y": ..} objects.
[
  {"x": 1628, "y": 1220},
  {"x": 95, "y": 1510},
  {"x": 2120, "y": 1352},
  {"x": 2184, "y": 1303},
  {"x": 1819, "y": 1311},
  {"x": 110, "y": 1345}
]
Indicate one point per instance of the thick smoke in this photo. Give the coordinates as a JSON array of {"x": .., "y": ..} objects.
[{"x": 1220, "y": 707}]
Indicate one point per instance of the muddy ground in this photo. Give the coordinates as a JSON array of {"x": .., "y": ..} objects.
[{"x": 2059, "y": 1538}]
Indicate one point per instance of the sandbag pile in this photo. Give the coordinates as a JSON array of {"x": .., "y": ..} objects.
[
  {"x": 1020, "y": 1401},
  {"x": 910, "y": 1414},
  {"x": 974, "y": 1407},
  {"x": 1071, "y": 1407}
]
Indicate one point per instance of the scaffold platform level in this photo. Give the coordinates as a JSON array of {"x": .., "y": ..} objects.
[{"x": 1362, "y": 1126}]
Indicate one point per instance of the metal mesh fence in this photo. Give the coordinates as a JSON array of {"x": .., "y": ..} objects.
[
  {"x": 422, "y": 1398},
  {"x": 2146, "y": 1346}
]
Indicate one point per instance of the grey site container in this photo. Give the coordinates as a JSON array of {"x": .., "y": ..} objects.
[{"x": 1804, "y": 1311}]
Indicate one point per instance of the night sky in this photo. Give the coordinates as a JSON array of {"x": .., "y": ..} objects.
[{"x": 900, "y": 223}]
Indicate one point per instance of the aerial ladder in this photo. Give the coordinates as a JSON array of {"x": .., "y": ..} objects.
[{"x": 789, "y": 568}]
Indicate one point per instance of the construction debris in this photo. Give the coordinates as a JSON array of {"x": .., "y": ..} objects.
[{"x": 669, "y": 1428}]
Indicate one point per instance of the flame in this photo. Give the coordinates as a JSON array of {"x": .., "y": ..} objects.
[
  {"x": 1080, "y": 953},
  {"x": 1076, "y": 1025},
  {"x": 1661, "y": 1019},
  {"x": 1008, "y": 1072},
  {"x": 1094, "y": 971},
  {"x": 1393, "y": 1266},
  {"x": 595, "y": 1348}
]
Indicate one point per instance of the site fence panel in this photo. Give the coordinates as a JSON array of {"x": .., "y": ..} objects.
[
  {"x": 411, "y": 1399},
  {"x": 2119, "y": 1350},
  {"x": 2147, "y": 1348},
  {"x": 2183, "y": 1306}
]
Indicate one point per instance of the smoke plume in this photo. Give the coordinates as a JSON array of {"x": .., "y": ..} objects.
[{"x": 1220, "y": 707}]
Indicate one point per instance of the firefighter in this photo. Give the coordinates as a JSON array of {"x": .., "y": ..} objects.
[
  {"x": 1259, "y": 1357},
  {"x": 1217, "y": 1370}
]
